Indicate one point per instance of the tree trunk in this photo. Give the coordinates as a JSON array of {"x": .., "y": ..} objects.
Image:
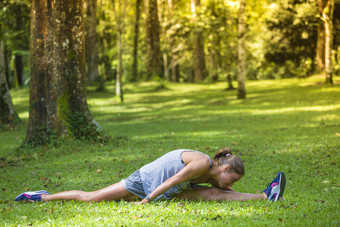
[
  {"x": 119, "y": 85},
  {"x": 91, "y": 50},
  {"x": 135, "y": 42},
  {"x": 7, "y": 64},
  {"x": 19, "y": 68},
  {"x": 173, "y": 44},
  {"x": 58, "y": 104},
  {"x": 230, "y": 83},
  {"x": 8, "y": 116},
  {"x": 320, "y": 45},
  {"x": 198, "y": 45},
  {"x": 18, "y": 60},
  {"x": 154, "y": 56},
  {"x": 327, "y": 15},
  {"x": 241, "y": 75},
  {"x": 119, "y": 12}
]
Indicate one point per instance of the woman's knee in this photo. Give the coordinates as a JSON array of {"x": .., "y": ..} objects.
[{"x": 211, "y": 193}]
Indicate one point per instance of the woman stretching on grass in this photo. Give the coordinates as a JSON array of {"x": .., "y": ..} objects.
[{"x": 176, "y": 174}]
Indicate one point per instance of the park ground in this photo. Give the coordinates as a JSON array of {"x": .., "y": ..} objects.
[{"x": 288, "y": 125}]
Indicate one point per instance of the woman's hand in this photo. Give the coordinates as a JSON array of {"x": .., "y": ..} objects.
[
  {"x": 229, "y": 188},
  {"x": 141, "y": 202}
]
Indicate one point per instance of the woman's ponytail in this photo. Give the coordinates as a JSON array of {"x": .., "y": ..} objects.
[{"x": 222, "y": 153}]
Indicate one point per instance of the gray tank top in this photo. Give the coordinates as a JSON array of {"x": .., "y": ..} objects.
[{"x": 158, "y": 171}]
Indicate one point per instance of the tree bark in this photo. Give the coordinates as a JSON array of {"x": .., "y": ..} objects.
[
  {"x": 91, "y": 49},
  {"x": 327, "y": 15},
  {"x": 198, "y": 45},
  {"x": 19, "y": 68},
  {"x": 154, "y": 56},
  {"x": 135, "y": 42},
  {"x": 18, "y": 60},
  {"x": 119, "y": 12},
  {"x": 58, "y": 104},
  {"x": 8, "y": 116},
  {"x": 320, "y": 45},
  {"x": 241, "y": 75},
  {"x": 173, "y": 44},
  {"x": 119, "y": 85}
]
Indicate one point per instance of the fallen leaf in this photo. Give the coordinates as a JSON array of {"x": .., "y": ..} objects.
[
  {"x": 325, "y": 182},
  {"x": 337, "y": 134},
  {"x": 280, "y": 219},
  {"x": 217, "y": 217}
]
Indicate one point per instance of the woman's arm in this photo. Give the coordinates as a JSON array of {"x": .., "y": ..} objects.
[{"x": 195, "y": 168}]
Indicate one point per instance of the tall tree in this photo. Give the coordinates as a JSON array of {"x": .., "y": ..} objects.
[
  {"x": 119, "y": 12},
  {"x": 58, "y": 104},
  {"x": 198, "y": 44},
  {"x": 241, "y": 73},
  {"x": 327, "y": 16},
  {"x": 154, "y": 56},
  {"x": 135, "y": 41},
  {"x": 91, "y": 49},
  {"x": 320, "y": 51},
  {"x": 19, "y": 63},
  {"x": 8, "y": 116}
]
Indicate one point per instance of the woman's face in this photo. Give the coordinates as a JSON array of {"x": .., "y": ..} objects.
[{"x": 226, "y": 178}]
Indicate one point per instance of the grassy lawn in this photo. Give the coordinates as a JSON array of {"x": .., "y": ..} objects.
[{"x": 288, "y": 125}]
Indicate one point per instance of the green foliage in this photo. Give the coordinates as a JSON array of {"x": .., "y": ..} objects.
[
  {"x": 293, "y": 32},
  {"x": 80, "y": 126},
  {"x": 291, "y": 126},
  {"x": 43, "y": 136},
  {"x": 281, "y": 37}
]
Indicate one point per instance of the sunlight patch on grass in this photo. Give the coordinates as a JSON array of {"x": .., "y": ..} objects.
[{"x": 296, "y": 109}]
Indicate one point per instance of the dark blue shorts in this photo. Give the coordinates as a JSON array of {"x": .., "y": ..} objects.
[{"x": 134, "y": 184}]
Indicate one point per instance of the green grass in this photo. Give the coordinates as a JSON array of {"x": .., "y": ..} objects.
[{"x": 288, "y": 125}]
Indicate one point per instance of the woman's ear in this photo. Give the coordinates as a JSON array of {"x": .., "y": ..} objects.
[{"x": 226, "y": 167}]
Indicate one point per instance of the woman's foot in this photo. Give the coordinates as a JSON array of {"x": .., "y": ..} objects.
[
  {"x": 33, "y": 196},
  {"x": 275, "y": 189}
]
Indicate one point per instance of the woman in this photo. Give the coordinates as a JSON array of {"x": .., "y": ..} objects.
[{"x": 176, "y": 174}]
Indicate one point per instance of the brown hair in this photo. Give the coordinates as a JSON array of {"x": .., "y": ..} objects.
[{"x": 224, "y": 156}]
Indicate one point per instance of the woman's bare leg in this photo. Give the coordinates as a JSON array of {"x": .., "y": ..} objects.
[
  {"x": 218, "y": 194},
  {"x": 113, "y": 192}
]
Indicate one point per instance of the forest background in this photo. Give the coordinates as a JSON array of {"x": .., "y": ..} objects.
[{"x": 281, "y": 39}]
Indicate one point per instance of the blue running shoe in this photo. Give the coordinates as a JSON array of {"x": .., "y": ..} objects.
[
  {"x": 35, "y": 195},
  {"x": 275, "y": 189}
]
